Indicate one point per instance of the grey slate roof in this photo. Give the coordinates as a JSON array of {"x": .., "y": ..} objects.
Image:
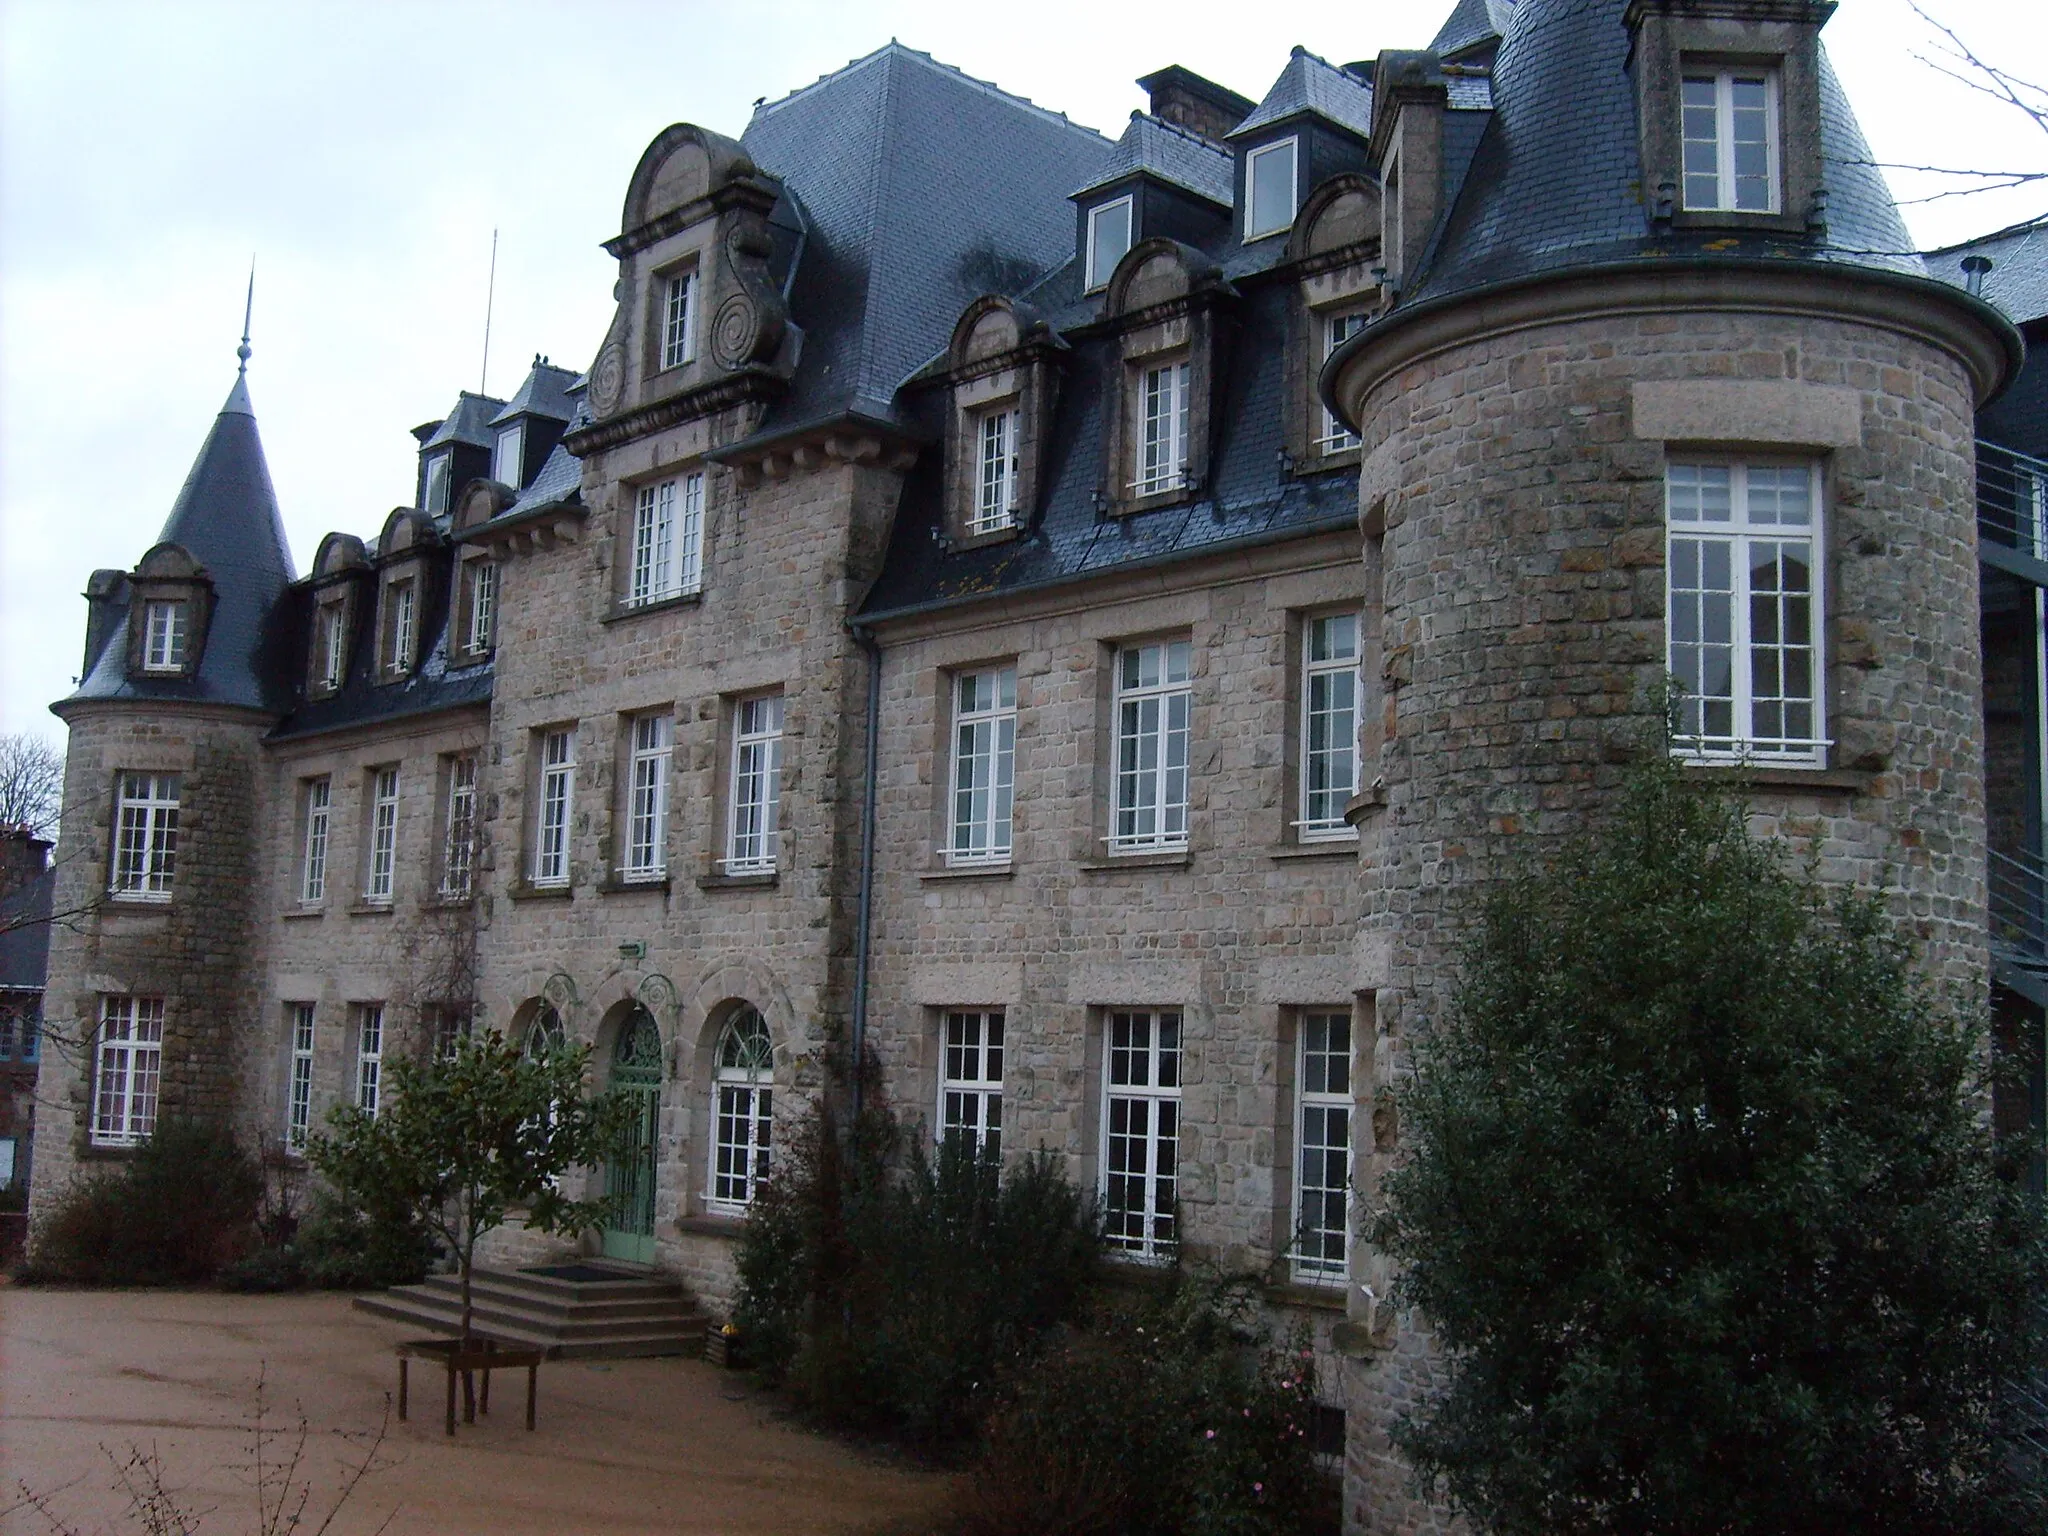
[
  {"x": 924, "y": 189},
  {"x": 25, "y": 951},
  {"x": 543, "y": 392},
  {"x": 1555, "y": 182},
  {"x": 226, "y": 518},
  {"x": 1157, "y": 148},
  {"x": 560, "y": 479},
  {"x": 1311, "y": 84},
  {"x": 1473, "y": 24},
  {"x": 2018, "y": 280},
  {"x": 469, "y": 422}
]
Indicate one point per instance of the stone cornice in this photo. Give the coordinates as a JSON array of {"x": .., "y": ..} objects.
[
  {"x": 846, "y": 439},
  {"x": 753, "y": 191},
  {"x": 75, "y": 711},
  {"x": 753, "y": 384},
  {"x": 545, "y": 527}
]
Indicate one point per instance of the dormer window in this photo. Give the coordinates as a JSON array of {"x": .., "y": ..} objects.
[
  {"x": 333, "y": 644},
  {"x": 995, "y": 499},
  {"x": 483, "y": 606},
  {"x": 164, "y": 637},
  {"x": 1162, "y": 430},
  {"x": 1109, "y": 238},
  {"x": 1269, "y": 189},
  {"x": 1337, "y": 329},
  {"x": 1731, "y": 140},
  {"x": 678, "y": 320},
  {"x": 434, "y": 496},
  {"x": 399, "y": 627},
  {"x": 509, "y": 461}
]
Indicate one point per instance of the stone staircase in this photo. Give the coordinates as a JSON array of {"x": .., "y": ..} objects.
[{"x": 586, "y": 1308}]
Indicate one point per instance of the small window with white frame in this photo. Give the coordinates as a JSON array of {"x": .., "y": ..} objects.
[
  {"x": 996, "y": 464},
  {"x": 984, "y": 765},
  {"x": 166, "y": 627},
  {"x": 434, "y": 488},
  {"x": 557, "y": 795},
  {"x": 382, "y": 864},
  {"x": 1743, "y": 617},
  {"x": 647, "y": 775},
  {"x": 146, "y": 836},
  {"x": 1109, "y": 238},
  {"x": 754, "y": 809},
  {"x": 369, "y": 1084},
  {"x": 1269, "y": 189},
  {"x": 668, "y": 540},
  {"x": 1141, "y": 1132},
  {"x": 401, "y": 626},
  {"x": 458, "y": 840},
  {"x": 1337, "y": 328},
  {"x": 1319, "y": 1252},
  {"x": 333, "y": 643},
  {"x": 679, "y": 319},
  {"x": 298, "y": 1098},
  {"x": 129, "y": 1067},
  {"x": 742, "y": 1112},
  {"x": 1329, "y": 724},
  {"x": 508, "y": 459},
  {"x": 482, "y": 633},
  {"x": 1153, "y": 700},
  {"x": 1730, "y": 117},
  {"x": 971, "y": 1080},
  {"x": 1160, "y": 442},
  {"x": 319, "y": 795}
]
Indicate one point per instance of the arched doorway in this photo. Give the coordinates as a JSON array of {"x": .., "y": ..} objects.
[{"x": 636, "y": 1073}]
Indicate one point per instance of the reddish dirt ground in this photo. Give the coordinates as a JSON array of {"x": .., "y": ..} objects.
[{"x": 628, "y": 1446}]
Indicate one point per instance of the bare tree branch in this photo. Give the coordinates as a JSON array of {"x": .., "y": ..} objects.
[{"x": 31, "y": 783}]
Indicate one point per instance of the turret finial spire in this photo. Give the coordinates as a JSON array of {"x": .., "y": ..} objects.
[{"x": 248, "y": 307}]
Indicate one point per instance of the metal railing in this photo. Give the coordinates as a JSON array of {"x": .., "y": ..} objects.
[
  {"x": 2012, "y": 499},
  {"x": 2019, "y": 903}
]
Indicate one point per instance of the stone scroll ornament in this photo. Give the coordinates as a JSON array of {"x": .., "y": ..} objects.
[
  {"x": 748, "y": 327},
  {"x": 560, "y": 991}
]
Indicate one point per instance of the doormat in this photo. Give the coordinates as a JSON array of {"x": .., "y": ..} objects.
[{"x": 576, "y": 1272}]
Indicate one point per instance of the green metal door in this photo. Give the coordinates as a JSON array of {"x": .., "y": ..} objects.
[{"x": 636, "y": 1073}]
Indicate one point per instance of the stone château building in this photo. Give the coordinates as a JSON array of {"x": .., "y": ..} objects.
[{"x": 1080, "y": 617}]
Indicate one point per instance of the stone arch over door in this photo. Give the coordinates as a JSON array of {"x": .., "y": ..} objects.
[{"x": 632, "y": 1062}]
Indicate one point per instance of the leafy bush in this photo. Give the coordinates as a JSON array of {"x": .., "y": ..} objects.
[
  {"x": 263, "y": 1269},
  {"x": 341, "y": 1247},
  {"x": 174, "y": 1213}
]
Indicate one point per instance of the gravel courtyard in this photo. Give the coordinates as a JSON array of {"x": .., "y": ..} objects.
[{"x": 670, "y": 1446}]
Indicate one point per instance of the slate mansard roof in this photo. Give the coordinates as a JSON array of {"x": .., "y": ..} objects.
[{"x": 1153, "y": 147}]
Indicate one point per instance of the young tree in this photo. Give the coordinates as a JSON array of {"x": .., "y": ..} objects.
[
  {"x": 1700, "y": 1205},
  {"x": 468, "y": 1135}
]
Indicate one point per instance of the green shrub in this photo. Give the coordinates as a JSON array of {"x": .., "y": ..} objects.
[
  {"x": 263, "y": 1269},
  {"x": 176, "y": 1212},
  {"x": 341, "y": 1247}
]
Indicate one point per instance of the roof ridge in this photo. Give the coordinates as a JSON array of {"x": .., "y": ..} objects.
[
  {"x": 1139, "y": 113},
  {"x": 894, "y": 48}
]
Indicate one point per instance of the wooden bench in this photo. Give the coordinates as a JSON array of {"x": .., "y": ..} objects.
[{"x": 483, "y": 1354}]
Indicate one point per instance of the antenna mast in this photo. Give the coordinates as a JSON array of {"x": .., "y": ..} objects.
[{"x": 490, "y": 297}]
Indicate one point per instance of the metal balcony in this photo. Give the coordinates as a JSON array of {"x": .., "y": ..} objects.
[{"x": 2012, "y": 509}]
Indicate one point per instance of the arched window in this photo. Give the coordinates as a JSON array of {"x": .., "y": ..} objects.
[
  {"x": 742, "y": 1110},
  {"x": 544, "y": 1033}
]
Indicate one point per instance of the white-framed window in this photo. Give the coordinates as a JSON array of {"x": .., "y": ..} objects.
[
  {"x": 1153, "y": 696},
  {"x": 1269, "y": 185},
  {"x": 1731, "y": 140},
  {"x": 557, "y": 791},
  {"x": 146, "y": 835},
  {"x": 1161, "y": 406},
  {"x": 130, "y": 1062},
  {"x": 508, "y": 459},
  {"x": 458, "y": 843},
  {"x": 1743, "y": 610},
  {"x": 313, "y": 868},
  {"x": 298, "y": 1098},
  {"x": 1337, "y": 329},
  {"x": 369, "y": 1057},
  {"x": 1141, "y": 1132},
  {"x": 1109, "y": 237},
  {"x": 1329, "y": 724},
  {"x": 1322, "y": 1140},
  {"x": 383, "y": 835},
  {"x": 742, "y": 1111},
  {"x": 399, "y": 626},
  {"x": 754, "y": 814},
  {"x": 333, "y": 645},
  {"x": 434, "y": 492},
  {"x": 679, "y": 320},
  {"x": 984, "y": 765},
  {"x": 647, "y": 797},
  {"x": 971, "y": 1079},
  {"x": 483, "y": 605},
  {"x": 668, "y": 540},
  {"x": 164, "y": 627},
  {"x": 995, "y": 472}
]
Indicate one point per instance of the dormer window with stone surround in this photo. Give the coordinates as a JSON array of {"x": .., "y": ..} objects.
[
  {"x": 678, "y": 318},
  {"x": 339, "y": 571},
  {"x": 1165, "y": 295},
  {"x": 1269, "y": 196},
  {"x": 1000, "y": 369},
  {"x": 408, "y": 541},
  {"x": 1109, "y": 238},
  {"x": 1730, "y": 122},
  {"x": 165, "y": 624},
  {"x": 473, "y": 594},
  {"x": 169, "y": 609},
  {"x": 1335, "y": 249}
]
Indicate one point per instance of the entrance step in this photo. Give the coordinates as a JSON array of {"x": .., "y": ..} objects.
[{"x": 585, "y": 1309}]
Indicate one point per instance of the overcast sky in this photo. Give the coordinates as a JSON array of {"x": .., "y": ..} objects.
[{"x": 365, "y": 151}]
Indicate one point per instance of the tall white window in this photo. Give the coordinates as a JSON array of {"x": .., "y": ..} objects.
[
  {"x": 298, "y": 1099},
  {"x": 1337, "y": 329},
  {"x": 1162, "y": 436},
  {"x": 984, "y": 764},
  {"x": 755, "y": 812},
  {"x": 509, "y": 458},
  {"x": 1141, "y": 1132},
  {"x": 678, "y": 321},
  {"x": 369, "y": 1056},
  {"x": 130, "y": 1061},
  {"x": 1329, "y": 723},
  {"x": 333, "y": 645},
  {"x": 1109, "y": 237},
  {"x": 1731, "y": 140},
  {"x": 164, "y": 626},
  {"x": 483, "y": 605},
  {"x": 557, "y": 789},
  {"x": 668, "y": 540},
  {"x": 971, "y": 1080},
  {"x": 1322, "y": 1138},
  {"x": 647, "y": 797},
  {"x": 146, "y": 835},
  {"x": 434, "y": 495},
  {"x": 313, "y": 871},
  {"x": 995, "y": 485},
  {"x": 399, "y": 627},
  {"x": 1269, "y": 189},
  {"x": 1743, "y": 610},
  {"x": 383, "y": 835},
  {"x": 742, "y": 1111},
  {"x": 458, "y": 846},
  {"x": 1152, "y": 701}
]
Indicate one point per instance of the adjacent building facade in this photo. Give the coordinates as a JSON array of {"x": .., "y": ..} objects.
[{"x": 1079, "y": 619}]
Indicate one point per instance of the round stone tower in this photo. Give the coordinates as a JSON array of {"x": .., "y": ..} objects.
[{"x": 1659, "y": 390}]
